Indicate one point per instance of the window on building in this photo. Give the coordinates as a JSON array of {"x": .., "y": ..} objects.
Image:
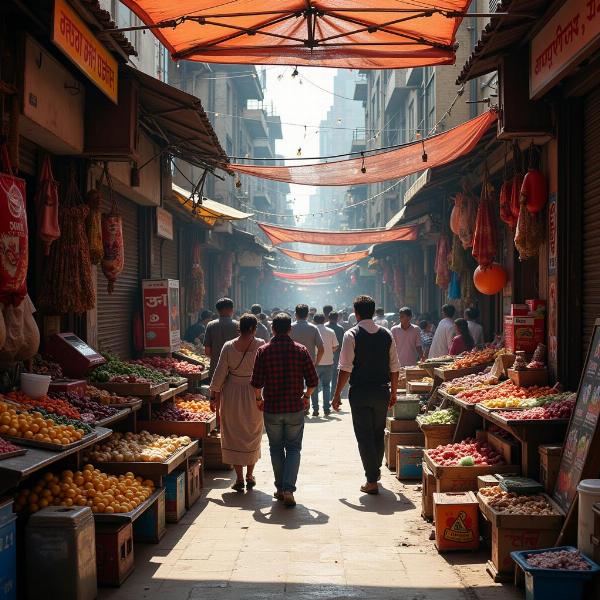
[
  {"x": 125, "y": 18},
  {"x": 411, "y": 130},
  {"x": 429, "y": 112}
]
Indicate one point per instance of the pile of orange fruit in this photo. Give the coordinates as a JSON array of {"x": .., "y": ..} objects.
[
  {"x": 33, "y": 426},
  {"x": 91, "y": 487},
  {"x": 53, "y": 405},
  {"x": 193, "y": 402}
]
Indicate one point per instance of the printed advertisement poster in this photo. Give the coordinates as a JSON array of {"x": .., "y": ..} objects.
[{"x": 161, "y": 315}]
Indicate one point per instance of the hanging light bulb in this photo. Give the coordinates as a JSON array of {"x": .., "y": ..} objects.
[
  {"x": 299, "y": 151},
  {"x": 295, "y": 72},
  {"x": 217, "y": 114},
  {"x": 238, "y": 183},
  {"x": 363, "y": 168},
  {"x": 339, "y": 121}
]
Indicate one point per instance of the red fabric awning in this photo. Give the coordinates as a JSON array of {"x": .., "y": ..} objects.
[
  {"x": 309, "y": 276},
  {"x": 352, "y": 34},
  {"x": 441, "y": 149},
  {"x": 325, "y": 258},
  {"x": 282, "y": 235}
]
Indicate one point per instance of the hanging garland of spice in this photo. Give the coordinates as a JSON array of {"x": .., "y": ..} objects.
[
  {"x": 46, "y": 201},
  {"x": 67, "y": 280},
  {"x": 94, "y": 222},
  {"x": 112, "y": 238},
  {"x": 196, "y": 283}
]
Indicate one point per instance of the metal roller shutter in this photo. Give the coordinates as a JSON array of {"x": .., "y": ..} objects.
[
  {"x": 591, "y": 216},
  {"x": 170, "y": 255},
  {"x": 115, "y": 310}
]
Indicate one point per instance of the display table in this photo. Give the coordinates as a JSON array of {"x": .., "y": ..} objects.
[
  {"x": 193, "y": 429},
  {"x": 13, "y": 470},
  {"x": 530, "y": 433}
]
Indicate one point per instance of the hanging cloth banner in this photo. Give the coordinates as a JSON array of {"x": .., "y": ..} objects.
[
  {"x": 365, "y": 34},
  {"x": 283, "y": 235},
  {"x": 309, "y": 276},
  {"x": 325, "y": 258},
  {"x": 439, "y": 149}
]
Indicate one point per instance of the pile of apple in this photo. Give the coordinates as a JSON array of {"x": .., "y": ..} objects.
[
  {"x": 558, "y": 410},
  {"x": 170, "y": 366},
  {"x": 467, "y": 453}
]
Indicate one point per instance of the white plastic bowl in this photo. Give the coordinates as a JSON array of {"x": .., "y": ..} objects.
[{"x": 35, "y": 386}]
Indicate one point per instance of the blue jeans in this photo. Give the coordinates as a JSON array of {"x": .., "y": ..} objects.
[
  {"x": 285, "y": 432},
  {"x": 325, "y": 373}
]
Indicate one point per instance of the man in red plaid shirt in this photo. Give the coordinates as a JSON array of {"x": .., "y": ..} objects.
[{"x": 281, "y": 370}]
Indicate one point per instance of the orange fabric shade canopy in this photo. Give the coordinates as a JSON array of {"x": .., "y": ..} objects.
[
  {"x": 325, "y": 258},
  {"x": 405, "y": 160},
  {"x": 283, "y": 235},
  {"x": 355, "y": 34},
  {"x": 309, "y": 276}
]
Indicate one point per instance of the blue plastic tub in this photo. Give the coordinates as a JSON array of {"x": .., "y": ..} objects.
[
  {"x": 553, "y": 584},
  {"x": 8, "y": 552}
]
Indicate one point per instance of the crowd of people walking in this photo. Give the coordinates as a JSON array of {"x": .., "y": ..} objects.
[{"x": 266, "y": 373}]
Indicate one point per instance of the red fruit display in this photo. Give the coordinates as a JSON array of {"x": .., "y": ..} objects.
[
  {"x": 557, "y": 410},
  {"x": 451, "y": 454}
]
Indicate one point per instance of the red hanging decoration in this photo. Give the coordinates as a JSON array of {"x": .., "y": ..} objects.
[
  {"x": 489, "y": 280},
  {"x": 442, "y": 270},
  {"x": 484, "y": 238}
]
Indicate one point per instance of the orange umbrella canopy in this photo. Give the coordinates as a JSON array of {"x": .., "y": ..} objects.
[{"x": 355, "y": 34}]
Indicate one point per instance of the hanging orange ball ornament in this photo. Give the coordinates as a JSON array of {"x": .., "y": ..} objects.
[{"x": 491, "y": 279}]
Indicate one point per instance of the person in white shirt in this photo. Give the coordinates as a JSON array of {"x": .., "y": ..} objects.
[
  {"x": 407, "y": 338},
  {"x": 368, "y": 360},
  {"x": 325, "y": 366},
  {"x": 475, "y": 328},
  {"x": 444, "y": 333},
  {"x": 380, "y": 319}
]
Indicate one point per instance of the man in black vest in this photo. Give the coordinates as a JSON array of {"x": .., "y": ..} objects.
[{"x": 369, "y": 360}]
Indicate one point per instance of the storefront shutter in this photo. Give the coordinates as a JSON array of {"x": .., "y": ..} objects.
[
  {"x": 170, "y": 255},
  {"x": 115, "y": 310},
  {"x": 591, "y": 216},
  {"x": 28, "y": 156}
]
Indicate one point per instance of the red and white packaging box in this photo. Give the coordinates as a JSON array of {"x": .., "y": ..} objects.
[
  {"x": 523, "y": 333},
  {"x": 519, "y": 310}
]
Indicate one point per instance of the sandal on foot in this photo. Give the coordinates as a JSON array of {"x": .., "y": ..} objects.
[
  {"x": 238, "y": 486},
  {"x": 250, "y": 482},
  {"x": 368, "y": 489},
  {"x": 278, "y": 495}
]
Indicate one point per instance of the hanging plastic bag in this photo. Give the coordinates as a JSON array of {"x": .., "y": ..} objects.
[
  {"x": 14, "y": 252},
  {"x": 454, "y": 287}
]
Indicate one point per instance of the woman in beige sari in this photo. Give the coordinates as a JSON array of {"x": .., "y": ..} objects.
[{"x": 241, "y": 421}]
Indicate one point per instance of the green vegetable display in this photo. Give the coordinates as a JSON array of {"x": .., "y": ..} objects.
[
  {"x": 442, "y": 416},
  {"x": 543, "y": 400},
  {"x": 60, "y": 420},
  {"x": 115, "y": 370},
  {"x": 466, "y": 461}
]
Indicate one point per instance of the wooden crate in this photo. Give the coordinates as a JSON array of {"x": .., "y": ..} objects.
[
  {"x": 509, "y": 450},
  {"x": 549, "y": 466},
  {"x": 193, "y": 429},
  {"x": 463, "y": 479},
  {"x": 450, "y": 374},
  {"x": 437, "y": 435},
  {"x": 394, "y": 425},
  {"x": 414, "y": 373},
  {"x": 211, "y": 453},
  {"x": 427, "y": 490},
  {"x": 193, "y": 482},
  {"x": 409, "y": 463},
  {"x": 529, "y": 377},
  {"x": 151, "y": 526},
  {"x": 486, "y": 481},
  {"x": 419, "y": 387},
  {"x": 133, "y": 389},
  {"x": 175, "y": 496},
  {"x": 399, "y": 439},
  {"x": 114, "y": 553},
  {"x": 518, "y": 532}
]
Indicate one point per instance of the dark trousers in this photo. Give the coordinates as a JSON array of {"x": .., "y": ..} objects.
[{"x": 369, "y": 407}]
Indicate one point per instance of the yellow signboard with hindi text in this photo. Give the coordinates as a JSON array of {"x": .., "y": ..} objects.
[{"x": 75, "y": 39}]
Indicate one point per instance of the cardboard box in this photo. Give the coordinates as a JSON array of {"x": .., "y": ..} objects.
[
  {"x": 193, "y": 482},
  {"x": 537, "y": 307},
  {"x": 456, "y": 518},
  {"x": 549, "y": 466},
  {"x": 402, "y": 425},
  {"x": 399, "y": 439},
  {"x": 505, "y": 541},
  {"x": 523, "y": 333},
  {"x": 150, "y": 527},
  {"x": 409, "y": 462},
  {"x": 519, "y": 310}
]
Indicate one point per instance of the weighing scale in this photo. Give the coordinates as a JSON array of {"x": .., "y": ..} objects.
[{"x": 75, "y": 357}]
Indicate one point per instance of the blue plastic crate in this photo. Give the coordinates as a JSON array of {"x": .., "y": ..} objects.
[
  {"x": 553, "y": 584},
  {"x": 8, "y": 552}
]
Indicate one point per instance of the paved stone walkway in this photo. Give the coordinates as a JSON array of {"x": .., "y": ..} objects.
[{"x": 337, "y": 543}]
